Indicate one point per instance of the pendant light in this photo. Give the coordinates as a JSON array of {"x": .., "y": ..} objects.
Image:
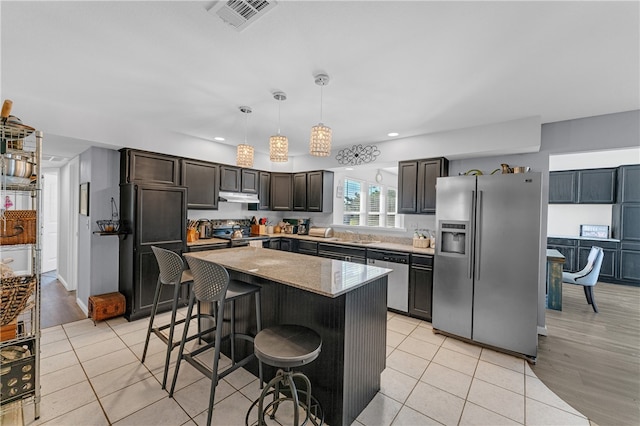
[
  {"x": 320, "y": 143},
  {"x": 244, "y": 156},
  {"x": 279, "y": 144}
]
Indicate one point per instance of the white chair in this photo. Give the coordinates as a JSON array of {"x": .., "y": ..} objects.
[{"x": 587, "y": 276}]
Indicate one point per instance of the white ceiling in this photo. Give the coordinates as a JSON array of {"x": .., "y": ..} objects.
[{"x": 111, "y": 73}]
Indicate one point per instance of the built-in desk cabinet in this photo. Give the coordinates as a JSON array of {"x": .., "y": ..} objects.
[
  {"x": 201, "y": 179},
  {"x": 608, "y": 271},
  {"x": 588, "y": 186},
  {"x": 628, "y": 187},
  {"x": 569, "y": 249}
]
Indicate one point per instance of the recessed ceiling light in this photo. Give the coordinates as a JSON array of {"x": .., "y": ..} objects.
[
  {"x": 348, "y": 168},
  {"x": 218, "y": 138},
  {"x": 392, "y": 134}
]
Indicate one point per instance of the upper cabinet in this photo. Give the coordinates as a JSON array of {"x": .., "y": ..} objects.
[
  {"x": 264, "y": 192},
  {"x": 235, "y": 179},
  {"x": 597, "y": 186},
  {"x": 300, "y": 192},
  {"x": 417, "y": 184},
  {"x": 230, "y": 178},
  {"x": 281, "y": 191},
  {"x": 249, "y": 181},
  {"x": 201, "y": 179},
  {"x": 148, "y": 167},
  {"x": 320, "y": 191},
  {"x": 562, "y": 187},
  {"x": 589, "y": 186},
  {"x": 628, "y": 187}
]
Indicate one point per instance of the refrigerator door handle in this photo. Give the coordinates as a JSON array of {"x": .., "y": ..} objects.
[
  {"x": 478, "y": 234},
  {"x": 469, "y": 236}
]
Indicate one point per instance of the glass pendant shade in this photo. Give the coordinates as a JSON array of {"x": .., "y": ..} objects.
[
  {"x": 320, "y": 142},
  {"x": 245, "y": 155},
  {"x": 279, "y": 149}
]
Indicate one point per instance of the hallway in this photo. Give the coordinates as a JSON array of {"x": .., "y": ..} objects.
[{"x": 58, "y": 305}]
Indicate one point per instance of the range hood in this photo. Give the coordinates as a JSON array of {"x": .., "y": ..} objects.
[{"x": 238, "y": 197}]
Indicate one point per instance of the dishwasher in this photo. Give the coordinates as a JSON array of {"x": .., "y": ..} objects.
[{"x": 397, "y": 281}]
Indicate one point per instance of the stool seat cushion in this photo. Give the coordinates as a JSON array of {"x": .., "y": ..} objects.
[{"x": 287, "y": 346}]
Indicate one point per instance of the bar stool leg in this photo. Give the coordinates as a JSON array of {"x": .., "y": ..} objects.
[
  {"x": 182, "y": 344},
  {"x": 259, "y": 327},
  {"x": 216, "y": 359},
  {"x": 154, "y": 308},
  {"x": 170, "y": 346},
  {"x": 233, "y": 332}
]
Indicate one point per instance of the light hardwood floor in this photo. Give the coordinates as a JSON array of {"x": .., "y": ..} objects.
[{"x": 592, "y": 360}]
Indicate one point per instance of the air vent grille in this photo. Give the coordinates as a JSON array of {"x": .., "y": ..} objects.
[{"x": 241, "y": 13}]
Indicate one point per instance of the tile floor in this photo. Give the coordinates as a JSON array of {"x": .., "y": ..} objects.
[{"x": 93, "y": 376}]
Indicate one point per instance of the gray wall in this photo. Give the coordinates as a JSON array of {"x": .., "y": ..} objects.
[{"x": 97, "y": 255}]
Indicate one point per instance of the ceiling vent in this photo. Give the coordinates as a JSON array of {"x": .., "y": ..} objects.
[{"x": 242, "y": 13}]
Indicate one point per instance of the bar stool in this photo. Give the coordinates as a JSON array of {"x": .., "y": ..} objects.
[
  {"x": 211, "y": 284},
  {"x": 172, "y": 273},
  {"x": 287, "y": 347}
]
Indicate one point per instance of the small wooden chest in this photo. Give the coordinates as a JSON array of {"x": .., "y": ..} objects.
[{"x": 105, "y": 306}]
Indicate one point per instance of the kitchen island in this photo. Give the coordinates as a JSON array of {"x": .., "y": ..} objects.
[{"x": 344, "y": 302}]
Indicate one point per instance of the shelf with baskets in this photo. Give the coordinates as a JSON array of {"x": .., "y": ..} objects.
[{"x": 20, "y": 238}]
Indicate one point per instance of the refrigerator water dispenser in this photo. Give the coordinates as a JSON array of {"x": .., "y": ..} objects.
[{"x": 453, "y": 238}]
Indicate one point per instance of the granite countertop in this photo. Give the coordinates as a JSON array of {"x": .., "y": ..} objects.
[
  {"x": 207, "y": 241},
  {"x": 382, "y": 245},
  {"x": 574, "y": 237},
  {"x": 326, "y": 277},
  {"x": 377, "y": 244}
]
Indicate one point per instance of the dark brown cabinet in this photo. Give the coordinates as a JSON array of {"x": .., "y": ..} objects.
[
  {"x": 148, "y": 167},
  {"x": 300, "y": 192},
  {"x": 249, "y": 181},
  {"x": 417, "y": 184},
  {"x": 281, "y": 192},
  {"x": 320, "y": 191},
  {"x": 140, "y": 205},
  {"x": 421, "y": 286},
  {"x": 264, "y": 192},
  {"x": 201, "y": 179},
  {"x": 230, "y": 178}
]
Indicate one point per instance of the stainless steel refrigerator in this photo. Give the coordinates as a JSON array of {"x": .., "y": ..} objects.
[{"x": 486, "y": 267}]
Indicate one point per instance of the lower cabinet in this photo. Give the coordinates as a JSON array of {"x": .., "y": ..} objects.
[
  {"x": 217, "y": 246},
  {"x": 630, "y": 263},
  {"x": 340, "y": 252},
  {"x": 569, "y": 249},
  {"x": 274, "y": 243},
  {"x": 286, "y": 244},
  {"x": 421, "y": 286},
  {"x": 610, "y": 261},
  {"x": 306, "y": 247}
]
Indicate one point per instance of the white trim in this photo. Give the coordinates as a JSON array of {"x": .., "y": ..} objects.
[{"x": 82, "y": 306}]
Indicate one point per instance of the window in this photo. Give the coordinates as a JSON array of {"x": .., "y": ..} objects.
[{"x": 367, "y": 204}]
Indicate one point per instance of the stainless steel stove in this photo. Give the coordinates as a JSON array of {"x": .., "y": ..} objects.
[{"x": 224, "y": 229}]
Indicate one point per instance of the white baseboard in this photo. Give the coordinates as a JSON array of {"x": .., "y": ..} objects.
[
  {"x": 82, "y": 306},
  {"x": 542, "y": 331}
]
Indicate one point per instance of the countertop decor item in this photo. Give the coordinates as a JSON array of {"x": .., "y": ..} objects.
[
  {"x": 320, "y": 143},
  {"x": 358, "y": 154}
]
